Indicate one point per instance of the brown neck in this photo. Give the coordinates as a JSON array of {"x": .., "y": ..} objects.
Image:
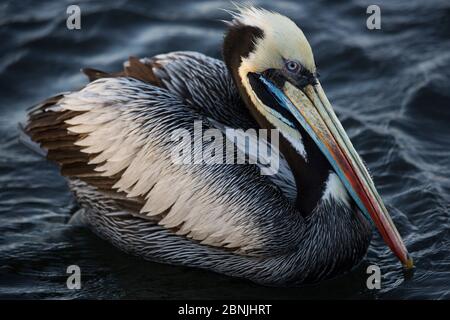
[
  {"x": 238, "y": 43},
  {"x": 310, "y": 174}
]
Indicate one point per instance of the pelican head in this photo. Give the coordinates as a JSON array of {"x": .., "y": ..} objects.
[{"x": 273, "y": 66}]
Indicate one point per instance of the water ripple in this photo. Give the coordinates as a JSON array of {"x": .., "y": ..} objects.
[{"x": 390, "y": 88}]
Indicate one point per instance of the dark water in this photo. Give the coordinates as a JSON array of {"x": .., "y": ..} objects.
[{"x": 390, "y": 87}]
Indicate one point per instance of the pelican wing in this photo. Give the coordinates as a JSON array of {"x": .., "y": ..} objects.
[
  {"x": 200, "y": 82},
  {"x": 116, "y": 135}
]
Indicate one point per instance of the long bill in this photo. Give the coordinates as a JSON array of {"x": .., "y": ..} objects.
[{"x": 312, "y": 109}]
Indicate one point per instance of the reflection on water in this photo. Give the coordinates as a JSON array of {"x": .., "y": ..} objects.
[{"x": 390, "y": 87}]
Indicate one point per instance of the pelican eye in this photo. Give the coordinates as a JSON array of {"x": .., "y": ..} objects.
[
  {"x": 298, "y": 75},
  {"x": 293, "y": 66}
]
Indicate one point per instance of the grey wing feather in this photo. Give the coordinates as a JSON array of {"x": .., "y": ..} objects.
[{"x": 204, "y": 84}]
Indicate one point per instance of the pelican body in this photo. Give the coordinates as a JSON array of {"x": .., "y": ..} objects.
[{"x": 310, "y": 221}]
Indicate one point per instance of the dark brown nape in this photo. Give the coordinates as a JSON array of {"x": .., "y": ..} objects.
[{"x": 238, "y": 43}]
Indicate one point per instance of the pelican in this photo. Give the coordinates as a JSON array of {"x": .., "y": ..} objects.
[{"x": 112, "y": 141}]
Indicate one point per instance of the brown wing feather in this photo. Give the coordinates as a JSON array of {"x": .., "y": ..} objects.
[
  {"x": 49, "y": 130},
  {"x": 133, "y": 68}
]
